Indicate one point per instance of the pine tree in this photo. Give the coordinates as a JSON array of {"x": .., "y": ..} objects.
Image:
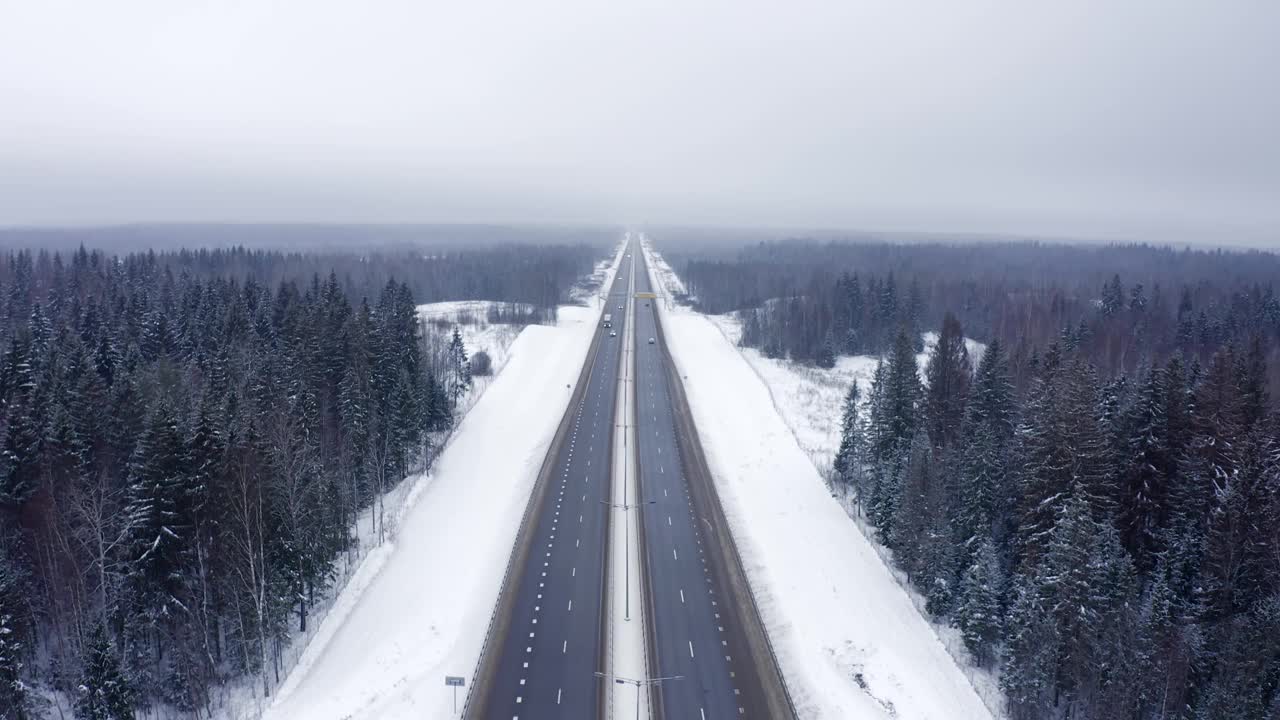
[{"x": 105, "y": 693}]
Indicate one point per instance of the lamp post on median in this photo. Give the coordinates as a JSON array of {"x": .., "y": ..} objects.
[
  {"x": 639, "y": 682},
  {"x": 626, "y": 551}
]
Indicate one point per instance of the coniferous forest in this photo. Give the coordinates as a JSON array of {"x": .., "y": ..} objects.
[
  {"x": 189, "y": 439},
  {"x": 1095, "y": 501}
]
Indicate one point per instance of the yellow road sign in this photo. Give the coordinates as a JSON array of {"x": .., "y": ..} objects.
[{"x": 646, "y": 296}]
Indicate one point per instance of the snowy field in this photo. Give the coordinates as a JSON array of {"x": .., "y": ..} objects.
[
  {"x": 850, "y": 638},
  {"x": 478, "y": 334},
  {"x": 417, "y": 607}
]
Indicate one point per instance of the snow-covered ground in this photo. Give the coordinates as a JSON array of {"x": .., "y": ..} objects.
[
  {"x": 849, "y": 636},
  {"x": 478, "y": 334},
  {"x": 809, "y": 397},
  {"x": 418, "y": 606}
]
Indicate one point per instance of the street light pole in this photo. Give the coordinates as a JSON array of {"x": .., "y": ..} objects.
[
  {"x": 639, "y": 682},
  {"x": 626, "y": 548}
]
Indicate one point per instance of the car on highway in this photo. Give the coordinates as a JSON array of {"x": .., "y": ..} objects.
[
  {"x": 613, "y": 334},
  {"x": 650, "y": 341}
]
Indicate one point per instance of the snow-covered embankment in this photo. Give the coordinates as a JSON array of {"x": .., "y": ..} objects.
[
  {"x": 418, "y": 606},
  {"x": 849, "y": 640}
]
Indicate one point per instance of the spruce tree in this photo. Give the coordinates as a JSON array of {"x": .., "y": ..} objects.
[
  {"x": 14, "y": 693},
  {"x": 848, "y": 456},
  {"x": 894, "y": 399},
  {"x": 104, "y": 692},
  {"x": 1062, "y": 454},
  {"x": 978, "y": 613},
  {"x": 947, "y": 378},
  {"x": 982, "y": 501},
  {"x": 855, "y": 336},
  {"x": 1145, "y": 470},
  {"x": 1112, "y": 297},
  {"x": 160, "y": 517},
  {"x": 826, "y": 357},
  {"x": 459, "y": 368},
  {"x": 1031, "y": 659}
]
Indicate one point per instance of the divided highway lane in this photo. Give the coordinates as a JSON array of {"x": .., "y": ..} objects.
[
  {"x": 704, "y": 627},
  {"x": 546, "y": 651}
]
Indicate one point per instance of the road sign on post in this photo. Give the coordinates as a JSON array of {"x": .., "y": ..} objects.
[{"x": 455, "y": 683}]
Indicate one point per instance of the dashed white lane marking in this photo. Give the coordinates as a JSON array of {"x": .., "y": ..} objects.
[
  {"x": 564, "y": 648},
  {"x": 570, "y": 606},
  {"x": 690, "y": 648},
  {"x": 681, "y": 595}
]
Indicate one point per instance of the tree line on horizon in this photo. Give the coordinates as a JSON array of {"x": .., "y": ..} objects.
[{"x": 1123, "y": 306}]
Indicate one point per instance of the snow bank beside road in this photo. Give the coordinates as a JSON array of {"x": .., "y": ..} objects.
[
  {"x": 850, "y": 642},
  {"x": 418, "y": 607}
]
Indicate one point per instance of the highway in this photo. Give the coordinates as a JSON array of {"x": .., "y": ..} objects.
[
  {"x": 704, "y": 628},
  {"x": 547, "y": 635},
  {"x": 549, "y": 632}
]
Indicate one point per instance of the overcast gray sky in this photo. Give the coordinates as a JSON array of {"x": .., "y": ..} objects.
[{"x": 1143, "y": 118}]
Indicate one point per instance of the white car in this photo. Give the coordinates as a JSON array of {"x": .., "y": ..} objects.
[
  {"x": 613, "y": 334},
  {"x": 650, "y": 341}
]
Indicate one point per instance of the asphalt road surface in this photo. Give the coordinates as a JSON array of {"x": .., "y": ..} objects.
[
  {"x": 549, "y": 647},
  {"x": 704, "y": 626}
]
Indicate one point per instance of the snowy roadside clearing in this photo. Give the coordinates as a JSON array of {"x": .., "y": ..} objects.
[
  {"x": 417, "y": 607},
  {"x": 478, "y": 335},
  {"x": 849, "y": 638}
]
